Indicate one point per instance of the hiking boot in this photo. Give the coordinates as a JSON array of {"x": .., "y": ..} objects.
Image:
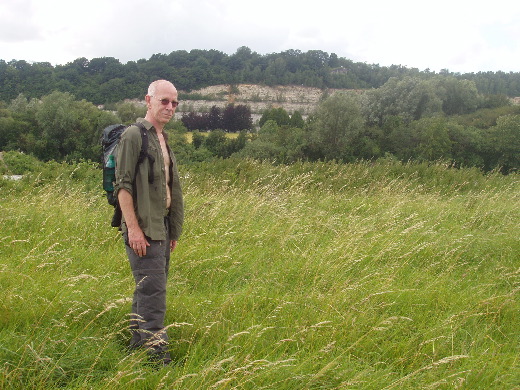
[{"x": 160, "y": 358}]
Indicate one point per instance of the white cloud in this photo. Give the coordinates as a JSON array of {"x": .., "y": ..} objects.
[
  {"x": 17, "y": 22},
  {"x": 458, "y": 35}
]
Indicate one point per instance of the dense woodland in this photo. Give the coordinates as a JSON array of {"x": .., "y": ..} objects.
[
  {"x": 390, "y": 112},
  {"x": 105, "y": 80}
]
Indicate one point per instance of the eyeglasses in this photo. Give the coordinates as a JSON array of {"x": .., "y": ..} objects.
[{"x": 165, "y": 102}]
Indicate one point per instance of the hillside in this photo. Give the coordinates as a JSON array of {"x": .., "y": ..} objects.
[
  {"x": 106, "y": 80},
  {"x": 258, "y": 97}
]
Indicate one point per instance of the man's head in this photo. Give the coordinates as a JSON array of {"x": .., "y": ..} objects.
[{"x": 161, "y": 100}]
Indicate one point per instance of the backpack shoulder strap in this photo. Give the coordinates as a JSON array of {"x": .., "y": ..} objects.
[
  {"x": 144, "y": 144},
  {"x": 116, "y": 218}
]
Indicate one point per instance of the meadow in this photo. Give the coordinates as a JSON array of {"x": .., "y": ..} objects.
[{"x": 311, "y": 276}]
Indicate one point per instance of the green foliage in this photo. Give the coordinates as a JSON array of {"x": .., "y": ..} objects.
[
  {"x": 180, "y": 146},
  {"x": 281, "y": 144},
  {"x": 466, "y": 145},
  {"x": 487, "y": 117},
  {"x": 128, "y": 112},
  {"x": 504, "y": 142},
  {"x": 197, "y": 139},
  {"x": 458, "y": 96},
  {"x": 308, "y": 276},
  {"x": 175, "y": 126},
  {"x": 335, "y": 128},
  {"x": 405, "y": 115},
  {"x": 215, "y": 142},
  {"x": 433, "y": 139},
  {"x": 47, "y": 121},
  {"x": 494, "y": 101},
  {"x": 106, "y": 80},
  {"x": 59, "y": 127},
  {"x": 436, "y": 138},
  {"x": 15, "y": 163},
  {"x": 219, "y": 145},
  {"x": 278, "y": 115},
  {"x": 297, "y": 120},
  {"x": 10, "y": 130},
  {"x": 411, "y": 98}
]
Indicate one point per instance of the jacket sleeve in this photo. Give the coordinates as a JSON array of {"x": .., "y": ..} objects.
[{"x": 127, "y": 154}]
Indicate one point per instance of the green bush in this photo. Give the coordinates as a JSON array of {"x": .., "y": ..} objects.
[{"x": 16, "y": 163}]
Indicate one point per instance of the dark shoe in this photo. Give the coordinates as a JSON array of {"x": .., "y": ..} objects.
[
  {"x": 134, "y": 344},
  {"x": 132, "y": 347},
  {"x": 135, "y": 340},
  {"x": 160, "y": 358}
]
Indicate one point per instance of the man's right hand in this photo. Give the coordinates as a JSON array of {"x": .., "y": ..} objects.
[
  {"x": 136, "y": 238},
  {"x": 137, "y": 241}
]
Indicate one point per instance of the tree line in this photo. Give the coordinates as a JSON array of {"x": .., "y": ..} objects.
[
  {"x": 408, "y": 118},
  {"x": 107, "y": 80}
]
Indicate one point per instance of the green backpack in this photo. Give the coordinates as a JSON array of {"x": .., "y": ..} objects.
[{"x": 109, "y": 140}]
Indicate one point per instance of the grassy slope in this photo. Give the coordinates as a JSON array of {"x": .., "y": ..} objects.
[{"x": 314, "y": 276}]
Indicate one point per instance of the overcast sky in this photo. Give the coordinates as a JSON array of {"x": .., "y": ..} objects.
[{"x": 458, "y": 35}]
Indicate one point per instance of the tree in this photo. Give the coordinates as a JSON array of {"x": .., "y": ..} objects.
[
  {"x": 197, "y": 139},
  {"x": 276, "y": 72},
  {"x": 193, "y": 121},
  {"x": 265, "y": 145},
  {"x": 278, "y": 115},
  {"x": 201, "y": 71},
  {"x": 503, "y": 144},
  {"x": 106, "y": 68},
  {"x": 128, "y": 112},
  {"x": 69, "y": 129},
  {"x": 215, "y": 118},
  {"x": 11, "y": 130},
  {"x": 283, "y": 144},
  {"x": 433, "y": 139},
  {"x": 335, "y": 127},
  {"x": 200, "y": 68},
  {"x": 216, "y": 142},
  {"x": 399, "y": 140},
  {"x": 458, "y": 96},
  {"x": 410, "y": 98},
  {"x": 466, "y": 145},
  {"x": 297, "y": 120},
  {"x": 237, "y": 118},
  {"x": 240, "y": 59},
  {"x": 57, "y": 118},
  {"x": 235, "y": 145}
]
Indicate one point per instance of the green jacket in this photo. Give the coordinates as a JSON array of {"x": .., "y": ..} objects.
[{"x": 149, "y": 199}]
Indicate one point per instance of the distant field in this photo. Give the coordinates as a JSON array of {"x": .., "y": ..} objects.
[
  {"x": 189, "y": 135},
  {"x": 313, "y": 276}
]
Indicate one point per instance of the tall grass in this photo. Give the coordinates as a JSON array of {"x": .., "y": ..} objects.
[{"x": 310, "y": 276}]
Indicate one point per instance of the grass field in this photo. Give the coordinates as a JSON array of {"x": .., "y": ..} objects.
[{"x": 312, "y": 276}]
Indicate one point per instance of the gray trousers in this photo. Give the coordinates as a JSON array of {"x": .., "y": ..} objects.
[{"x": 149, "y": 301}]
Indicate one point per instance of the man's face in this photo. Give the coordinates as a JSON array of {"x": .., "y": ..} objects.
[{"x": 163, "y": 103}]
